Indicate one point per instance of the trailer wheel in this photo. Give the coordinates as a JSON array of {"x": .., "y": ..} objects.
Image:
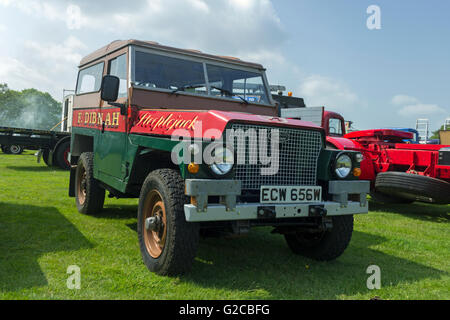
[
  {"x": 15, "y": 149},
  {"x": 62, "y": 155},
  {"x": 168, "y": 243},
  {"x": 5, "y": 149},
  {"x": 413, "y": 187},
  {"x": 326, "y": 245},
  {"x": 89, "y": 195}
]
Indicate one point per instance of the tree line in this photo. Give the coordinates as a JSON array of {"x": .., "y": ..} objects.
[{"x": 29, "y": 108}]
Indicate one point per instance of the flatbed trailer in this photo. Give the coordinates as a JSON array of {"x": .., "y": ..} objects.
[{"x": 53, "y": 146}]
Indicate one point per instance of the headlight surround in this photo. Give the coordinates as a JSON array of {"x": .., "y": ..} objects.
[
  {"x": 343, "y": 166},
  {"x": 223, "y": 161},
  {"x": 359, "y": 157}
]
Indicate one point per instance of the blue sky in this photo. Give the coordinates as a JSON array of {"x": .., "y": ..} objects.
[
  {"x": 410, "y": 55},
  {"x": 321, "y": 50}
]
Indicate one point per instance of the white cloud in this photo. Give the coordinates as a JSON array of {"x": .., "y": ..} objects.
[
  {"x": 318, "y": 90},
  {"x": 402, "y": 99},
  {"x": 411, "y": 108},
  {"x": 20, "y": 76},
  {"x": 47, "y": 66},
  {"x": 66, "y": 52},
  {"x": 421, "y": 110},
  {"x": 42, "y": 9},
  {"x": 245, "y": 29}
]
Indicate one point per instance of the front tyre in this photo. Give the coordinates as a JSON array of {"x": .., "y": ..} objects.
[
  {"x": 89, "y": 195},
  {"x": 325, "y": 245},
  {"x": 168, "y": 243}
]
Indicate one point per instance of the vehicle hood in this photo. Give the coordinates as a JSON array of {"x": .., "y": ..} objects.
[{"x": 203, "y": 124}]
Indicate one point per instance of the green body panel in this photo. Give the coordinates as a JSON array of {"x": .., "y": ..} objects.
[
  {"x": 324, "y": 163},
  {"x": 115, "y": 154}
]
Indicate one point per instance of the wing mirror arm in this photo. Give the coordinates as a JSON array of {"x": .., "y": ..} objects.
[{"x": 110, "y": 92}]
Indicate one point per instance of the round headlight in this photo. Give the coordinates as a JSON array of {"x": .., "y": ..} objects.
[
  {"x": 223, "y": 161},
  {"x": 343, "y": 166}
]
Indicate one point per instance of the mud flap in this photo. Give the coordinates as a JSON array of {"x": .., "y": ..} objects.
[{"x": 73, "y": 170}]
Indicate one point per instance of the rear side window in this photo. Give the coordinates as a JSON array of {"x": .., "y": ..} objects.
[
  {"x": 90, "y": 79},
  {"x": 118, "y": 68}
]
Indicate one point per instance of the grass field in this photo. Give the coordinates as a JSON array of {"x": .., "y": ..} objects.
[{"x": 41, "y": 234}]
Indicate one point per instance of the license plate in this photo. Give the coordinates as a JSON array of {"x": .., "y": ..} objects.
[{"x": 290, "y": 194}]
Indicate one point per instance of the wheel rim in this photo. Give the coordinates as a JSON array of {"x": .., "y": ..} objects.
[
  {"x": 154, "y": 235},
  {"x": 14, "y": 149},
  {"x": 66, "y": 157},
  {"x": 81, "y": 185}
]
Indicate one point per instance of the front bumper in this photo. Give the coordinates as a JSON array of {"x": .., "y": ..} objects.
[{"x": 200, "y": 211}]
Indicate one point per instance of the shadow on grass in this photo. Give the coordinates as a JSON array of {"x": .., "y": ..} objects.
[
  {"x": 26, "y": 233},
  {"x": 119, "y": 211},
  {"x": 262, "y": 265},
  {"x": 34, "y": 168},
  {"x": 416, "y": 210}
]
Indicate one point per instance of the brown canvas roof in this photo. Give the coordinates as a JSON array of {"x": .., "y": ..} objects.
[{"x": 118, "y": 44}]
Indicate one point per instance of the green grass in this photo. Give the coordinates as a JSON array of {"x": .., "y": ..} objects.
[{"x": 41, "y": 234}]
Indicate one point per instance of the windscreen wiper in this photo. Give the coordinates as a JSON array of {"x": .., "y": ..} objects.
[
  {"x": 188, "y": 86},
  {"x": 228, "y": 93}
]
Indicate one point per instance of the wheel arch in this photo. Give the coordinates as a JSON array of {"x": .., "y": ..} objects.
[{"x": 146, "y": 161}]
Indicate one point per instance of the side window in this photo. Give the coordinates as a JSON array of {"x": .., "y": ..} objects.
[
  {"x": 118, "y": 68},
  {"x": 335, "y": 127},
  {"x": 90, "y": 79}
]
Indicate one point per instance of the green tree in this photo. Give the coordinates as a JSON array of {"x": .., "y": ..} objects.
[
  {"x": 29, "y": 108},
  {"x": 435, "y": 134}
]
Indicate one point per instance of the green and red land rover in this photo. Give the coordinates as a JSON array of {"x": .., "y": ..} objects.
[{"x": 199, "y": 140}]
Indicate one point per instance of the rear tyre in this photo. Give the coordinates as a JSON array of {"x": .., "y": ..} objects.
[
  {"x": 413, "y": 187},
  {"x": 62, "y": 155},
  {"x": 326, "y": 245},
  {"x": 15, "y": 149},
  {"x": 89, "y": 195},
  {"x": 167, "y": 241}
]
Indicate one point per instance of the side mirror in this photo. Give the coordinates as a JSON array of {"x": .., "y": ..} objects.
[{"x": 110, "y": 88}]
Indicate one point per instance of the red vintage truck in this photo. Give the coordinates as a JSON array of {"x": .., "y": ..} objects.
[
  {"x": 399, "y": 172},
  {"x": 197, "y": 138}
]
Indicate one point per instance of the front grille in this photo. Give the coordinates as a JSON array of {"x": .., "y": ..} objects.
[{"x": 297, "y": 162}]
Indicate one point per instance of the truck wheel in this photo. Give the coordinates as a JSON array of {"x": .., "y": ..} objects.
[
  {"x": 413, "y": 187},
  {"x": 89, "y": 195},
  {"x": 168, "y": 243},
  {"x": 5, "y": 149},
  {"x": 323, "y": 246},
  {"x": 389, "y": 199},
  {"x": 15, "y": 149},
  {"x": 62, "y": 155}
]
